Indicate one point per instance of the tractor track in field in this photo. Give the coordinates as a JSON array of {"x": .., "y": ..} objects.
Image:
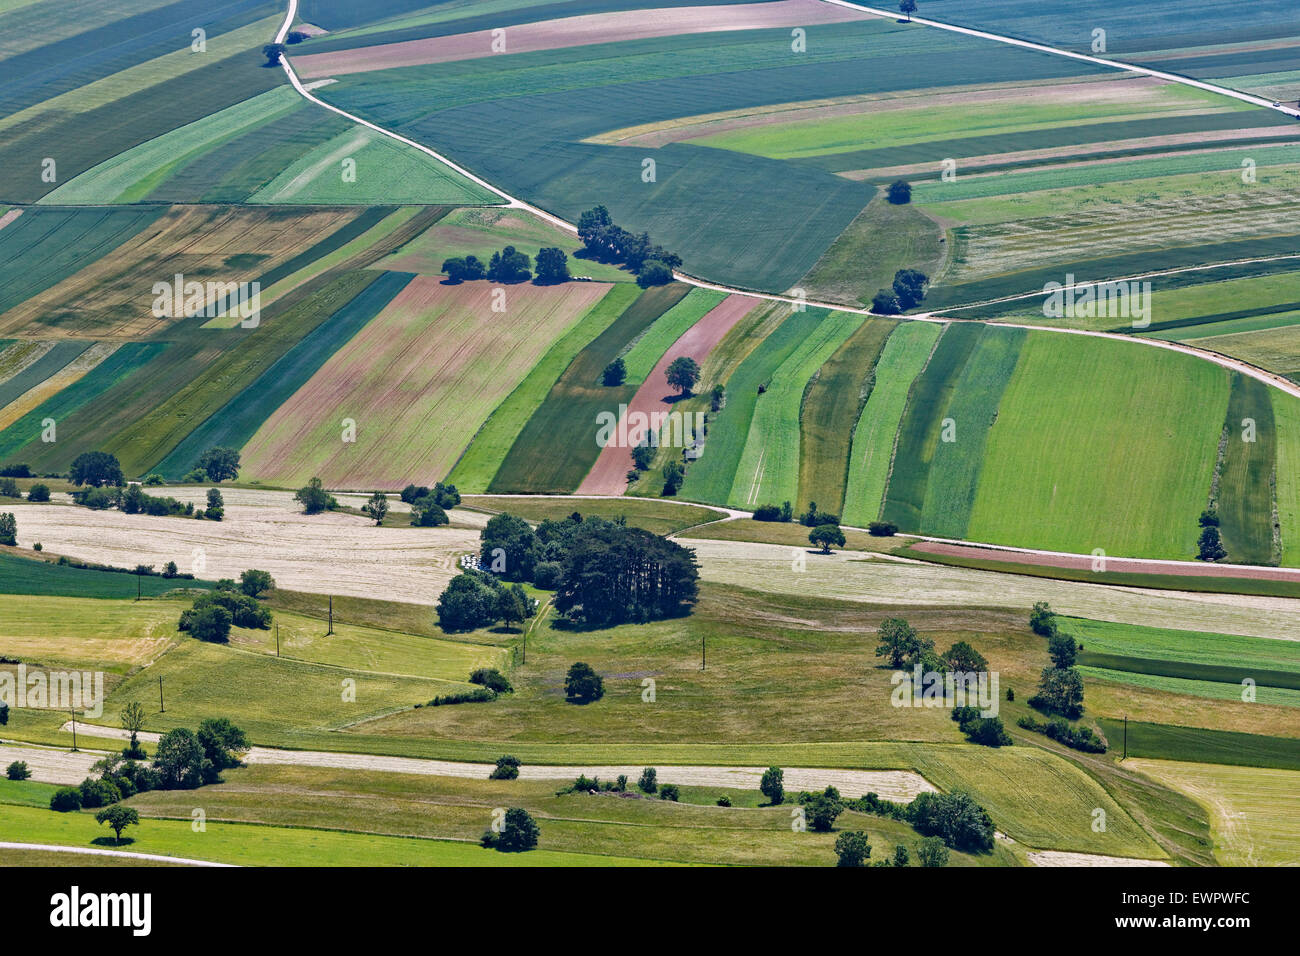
[{"x": 514, "y": 202}]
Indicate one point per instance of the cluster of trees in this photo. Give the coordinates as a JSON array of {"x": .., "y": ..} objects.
[
  {"x": 183, "y": 760},
  {"x": 955, "y": 818},
  {"x": 215, "y": 465},
  {"x": 1059, "y": 729},
  {"x": 1210, "y": 544},
  {"x": 905, "y": 648},
  {"x": 907, "y": 292},
  {"x": 475, "y": 599},
  {"x": 988, "y": 731},
  {"x": 429, "y": 506},
  {"x": 519, "y": 832},
  {"x": 1060, "y": 686},
  {"x": 606, "y": 241},
  {"x": 510, "y": 266},
  {"x": 213, "y": 614},
  {"x": 314, "y": 498}
]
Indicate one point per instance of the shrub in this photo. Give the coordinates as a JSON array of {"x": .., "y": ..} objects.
[
  {"x": 209, "y": 623},
  {"x": 253, "y": 582},
  {"x": 649, "y": 781},
  {"x": 772, "y": 785},
  {"x": 882, "y": 529},
  {"x": 932, "y": 852},
  {"x": 491, "y": 678},
  {"x": 479, "y": 695},
  {"x": 615, "y": 373},
  {"x": 654, "y": 273},
  {"x": 582, "y": 685},
  {"x": 9, "y": 488},
  {"x": 954, "y": 817},
  {"x": 1058, "y": 729},
  {"x": 314, "y": 498},
  {"x": 66, "y": 800},
  {"x": 900, "y": 192},
  {"x": 427, "y": 513},
  {"x": 153, "y": 479},
  {"x": 519, "y": 832},
  {"x": 18, "y": 770},
  {"x": 852, "y": 849},
  {"x": 8, "y": 529},
  {"x": 98, "y": 793},
  {"x": 507, "y": 768},
  {"x": 885, "y": 303},
  {"x": 670, "y": 791},
  {"x": 724, "y": 801},
  {"x": 901, "y": 856},
  {"x": 768, "y": 513},
  {"x": 822, "y": 809}
]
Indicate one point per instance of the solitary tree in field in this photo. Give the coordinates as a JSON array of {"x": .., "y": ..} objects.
[
  {"x": 118, "y": 818},
  {"x": 133, "y": 723},
  {"x": 900, "y": 192},
  {"x": 552, "y": 266},
  {"x": 377, "y": 507},
  {"x": 582, "y": 684},
  {"x": 907, "y": 7},
  {"x": 8, "y": 529},
  {"x": 683, "y": 373},
  {"x": 220, "y": 464},
  {"x": 772, "y": 785},
  {"x": 827, "y": 536},
  {"x": 273, "y": 52},
  {"x": 96, "y": 468},
  {"x": 615, "y": 373},
  {"x": 253, "y": 582},
  {"x": 900, "y": 642},
  {"x": 313, "y": 497}
]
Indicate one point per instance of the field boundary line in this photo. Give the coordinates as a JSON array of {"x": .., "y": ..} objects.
[{"x": 97, "y": 851}]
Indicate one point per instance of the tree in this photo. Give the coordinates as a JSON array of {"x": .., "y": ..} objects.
[
  {"x": 314, "y": 498},
  {"x": 509, "y": 546},
  {"x": 885, "y": 303},
  {"x": 852, "y": 849},
  {"x": 1210, "y": 546},
  {"x": 1041, "y": 619},
  {"x": 38, "y": 492},
  {"x": 492, "y": 679},
  {"x": 962, "y": 657},
  {"x": 1060, "y": 691},
  {"x": 469, "y": 602},
  {"x": 900, "y": 643},
  {"x": 615, "y": 373},
  {"x": 772, "y": 785},
  {"x": 96, "y": 468},
  {"x": 219, "y": 464},
  {"x": 900, "y": 192},
  {"x": 909, "y": 287},
  {"x": 426, "y": 513},
  {"x": 223, "y": 745},
  {"x": 552, "y": 266},
  {"x": 509, "y": 265},
  {"x": 907, "y": 7},
  {"x": 827, "y": 536},
  {"x": 179, "y": 760},
  {"x": 822, "y": 809},
  {"x": 956, "y": 818},
  {"x": 582, "y": 685},
  {"x": 273, "y": 52},
  {"x": 507, "y": 768},
  {"x": 683, "y": 372},
  {"x": 216, "y": 509},
  {"x": 211, "y": 623},
  {"x": 512, "y": 605},
  {"x": 133, "y": 723},
  {"x": 118, "y": 819},
  {"x": 649, "y": 780},
  {"x": 674, "y": 475},
  {"x": 901, "y": 856},
  {"x": 519, "y": 832},
  {"x": 1064, "y": 652},
  {"x": 66, "y": 800},
  {"x": 654, "y": 273},
  {"x": 8, "y": 529},
  {"x": 932, "y": 852},
  {"x": 253, "y": 582},
  {"x": 376, "y": 508},
  {"x": 466, "y": 269},
  {"x": 18, "y": 770}
]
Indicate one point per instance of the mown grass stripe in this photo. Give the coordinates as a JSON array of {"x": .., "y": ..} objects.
[
  {"x": 955, "y": 470},
  {"x": 1245, "y": 502},
  {"x": 901, "y": 361},
  {"x": 831, "y": 407},
  {"x": 923, "y": 425},
  {"x": 48, "y": 364},
  {"x": 1182, "y": 670},
  {"x": 1202, "y": 745},
  {"x": 235, "y": 422}
]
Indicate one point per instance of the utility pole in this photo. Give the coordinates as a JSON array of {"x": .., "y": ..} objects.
[
  {"x": 138, "y": 576},
  {"x": 162, "y": 709},
  {"x": 1125, "y": 757},
  {"x": 331, "y": 630},
  {"x": 74, "y": 729},
  {"x": 277, "y": 638},
  {"x": 703, "y": 653}
]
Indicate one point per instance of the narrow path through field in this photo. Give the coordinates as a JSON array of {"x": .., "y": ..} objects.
[
  {"x": 897, "y": 785},
  {"x": 94, "y": 851},
  {"x": 514, "y": 202}
]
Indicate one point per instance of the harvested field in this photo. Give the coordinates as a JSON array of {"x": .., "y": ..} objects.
[
  {"x": 329, "y": 553},
  {"x": 418, "y": 380},
  {"x": 586, "y": 30},
  {"x": 655, "y": 395}
]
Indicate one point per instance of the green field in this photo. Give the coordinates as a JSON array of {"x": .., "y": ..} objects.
[
  {"x": 567, "y": 418},
  {"x": 1040, "y": 456},
  {"x": 646, "y": 352},
  {"x": 925, "y": 423},
  {"x": 1168, "y": 742},
  {"x": 830, "y": 412},
  {"x": 769, "y": 466},
  {"x": 955, "y": 469},
  {"x": 26, "y": 575},
  {"x": 1245, "y": 498},
  {"x": 904, "y": 355}
]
